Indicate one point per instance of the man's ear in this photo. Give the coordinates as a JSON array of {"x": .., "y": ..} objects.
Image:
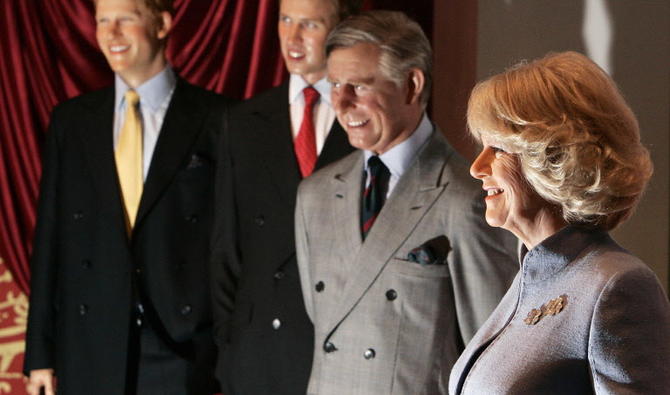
[
  {"x": 415, "y": 82},
  {"x": 165, "y": 21}
]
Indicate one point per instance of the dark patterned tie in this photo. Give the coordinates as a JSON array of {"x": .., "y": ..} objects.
[
  {"x": 375, "y": 193},
  {"x": 305, "y": 141}
]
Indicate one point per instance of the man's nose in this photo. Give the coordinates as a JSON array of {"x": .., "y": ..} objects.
[{"x": 295, "y": 32}]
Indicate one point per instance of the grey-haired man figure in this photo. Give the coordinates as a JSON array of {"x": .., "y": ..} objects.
[{"x": 398, "y": 268}]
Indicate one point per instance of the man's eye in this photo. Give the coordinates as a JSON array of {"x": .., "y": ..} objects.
[
  {"x": 335, "y": 84},
  {"x": 310, "y": 25}
]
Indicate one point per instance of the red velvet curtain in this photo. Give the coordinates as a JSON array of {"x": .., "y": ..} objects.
[{"x": 49, "y": 54}]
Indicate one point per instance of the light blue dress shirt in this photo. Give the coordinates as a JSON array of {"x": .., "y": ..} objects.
[
  {"x": 399, "y": 158},
  {"x": 155, "y": 95}
]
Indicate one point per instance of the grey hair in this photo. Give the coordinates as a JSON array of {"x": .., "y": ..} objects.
[{"x": 402, "y": 42}]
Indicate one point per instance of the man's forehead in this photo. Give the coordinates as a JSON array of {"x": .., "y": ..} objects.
[
  {"x": 135, "y": 6},
  {"x": 309, "y": 9},
  {"x": 358, "y": 54},
  {"x": 350, "y": 70}
]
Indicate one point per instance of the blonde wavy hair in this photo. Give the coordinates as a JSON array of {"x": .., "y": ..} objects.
[{"x": 577, "y": 140}]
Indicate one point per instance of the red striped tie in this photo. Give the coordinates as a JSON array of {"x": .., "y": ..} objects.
[{"x": 305, "y": 142}]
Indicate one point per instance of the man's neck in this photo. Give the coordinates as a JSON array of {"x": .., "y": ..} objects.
[{"x": 135, "y": 78}]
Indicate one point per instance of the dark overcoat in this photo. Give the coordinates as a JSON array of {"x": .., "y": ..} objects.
[
  {"x": 264, "y": 335},
  {"x": 83, "y": 263}
]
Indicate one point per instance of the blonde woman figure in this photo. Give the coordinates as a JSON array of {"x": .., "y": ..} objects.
[{"x": 562, "y": 165}]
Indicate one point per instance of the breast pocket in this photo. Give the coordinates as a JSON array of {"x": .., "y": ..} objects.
[
  {"x": 197, "y": 168},
  {"x": 409, "y": 268}
]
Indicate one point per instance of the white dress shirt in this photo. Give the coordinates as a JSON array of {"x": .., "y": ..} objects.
[{"x": 324, "y": 114}]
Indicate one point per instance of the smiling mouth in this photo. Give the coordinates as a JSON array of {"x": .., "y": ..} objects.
[
  {"x": 356, "y": 124},
  {"x": 296, "y": 54},
  {"x": 494, "y": 192},
  {"x": 118, "y": 48}
]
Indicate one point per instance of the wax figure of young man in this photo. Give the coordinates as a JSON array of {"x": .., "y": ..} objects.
[
  {"x": 398, "y": 267},
  {"x": 119, "y": 301},
  {"x": 273, "y": 141}
]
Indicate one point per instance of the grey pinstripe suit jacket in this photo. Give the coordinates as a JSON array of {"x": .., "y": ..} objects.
[{"x": 383, "y": 324}]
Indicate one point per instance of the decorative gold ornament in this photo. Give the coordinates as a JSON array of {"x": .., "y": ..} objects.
[
  {"x": 533, "y": 317},
  {"x": 552, "y": 307}
]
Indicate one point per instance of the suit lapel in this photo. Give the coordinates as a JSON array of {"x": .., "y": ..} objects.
[
  {"x": 412, "y": 197},
  {"x": 180, "y": 128},
  {"x": 347, "y": 207},
  {"x": 276, "y": 143},
  {"x": 98, "y": 139}
]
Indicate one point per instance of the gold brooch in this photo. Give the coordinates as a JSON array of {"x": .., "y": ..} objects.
[
  {"x": 552, "y": 307},
  {"x": 533, "y": 317}
]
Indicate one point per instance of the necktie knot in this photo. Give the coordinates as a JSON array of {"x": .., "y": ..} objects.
[
  {"x": 132, "y": 98},
  {"x": 376, "y": 166},
  {"x": 311, "y": 96}
]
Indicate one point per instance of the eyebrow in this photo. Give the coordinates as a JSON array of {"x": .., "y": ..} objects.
[
  {"x": 321, "y": 20},
  {"x": 364, "y": 81}
]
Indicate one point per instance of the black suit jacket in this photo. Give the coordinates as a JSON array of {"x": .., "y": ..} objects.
[
  {"x": 264, "y": 335},
  {"x": 83, "y": 262}
]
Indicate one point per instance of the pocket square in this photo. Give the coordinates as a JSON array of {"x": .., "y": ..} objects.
[
  {"x": 195, "y": 162},
  {"x": 432, "y": 252}
]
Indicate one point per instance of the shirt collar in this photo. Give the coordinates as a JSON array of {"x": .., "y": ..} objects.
[
  {"x": 152, "y": 92},
  {"x": 297, "y": 84},
  {"x": 399, "y": 158}
]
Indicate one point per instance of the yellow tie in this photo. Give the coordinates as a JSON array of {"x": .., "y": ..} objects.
[{"x": 128, "y": 157}]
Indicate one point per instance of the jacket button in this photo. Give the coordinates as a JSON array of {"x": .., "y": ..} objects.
[
  {"x": 369, "y": 353},
  {"x": 191, "y": 218},
  {"x": 138, "y": 271},
  {"x": 83, "y": 309},
  {"x": 276, "y": 324},
  {"x": 279, "y": 275},
  {"x": 78, "y": 215},
  {"x": 259, "y": 220},
  {"x": 329, "y": 347},
  {"x": 391, "y": 294},
  {"x": 86, "y": 264},
  {"x": 320, "y": 286},
  {"x": 186, "y": 309}
]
